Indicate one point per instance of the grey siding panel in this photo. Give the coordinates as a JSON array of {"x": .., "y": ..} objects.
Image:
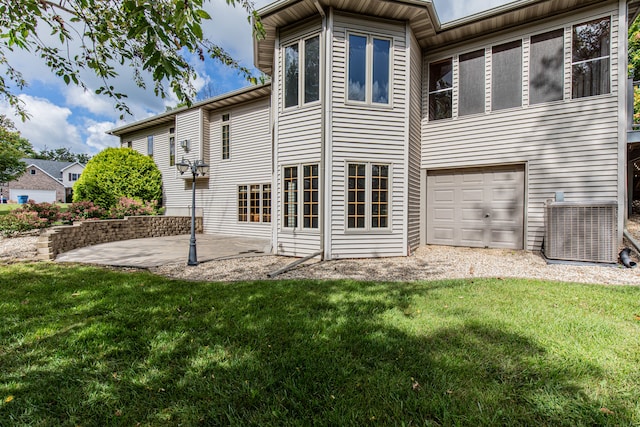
[
  {"x": 369, "y": 134},
  {"x": 249, "y": 163},
  {"x": 299, "y": 141},
  {"x": 414, "y": 144}
]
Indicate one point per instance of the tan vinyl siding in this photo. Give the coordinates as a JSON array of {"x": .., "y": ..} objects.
[
  {"x": 375, "y": 134},
  {"x": 414, "y": 144},
  {"x": 250, "y": 163},
  {"x": 189, "y": 126},
  {"x": 569, "y": 145},
  {"x": 299, "y": 141}
]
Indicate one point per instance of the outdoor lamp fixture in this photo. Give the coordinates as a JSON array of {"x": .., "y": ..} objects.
[{"x": 198, "y": 167}]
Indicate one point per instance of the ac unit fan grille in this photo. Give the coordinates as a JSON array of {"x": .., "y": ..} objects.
[{"x": 581, "y": 232}]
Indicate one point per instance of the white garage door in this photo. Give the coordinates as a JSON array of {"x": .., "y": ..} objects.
[
  {"x": 476, "y": 207},
  {"x": 38, "y": 196}
]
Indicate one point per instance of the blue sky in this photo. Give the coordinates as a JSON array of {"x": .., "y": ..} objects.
[{"x": 67, "y": 116}]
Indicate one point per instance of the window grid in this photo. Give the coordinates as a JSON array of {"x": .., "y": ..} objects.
[
  {"x": 172, "y": 151},
  {"x": 254, "y": 203},
  {"x": 357, "y": 195},
  {"x": 242, "y": 203},
  {"x": 266, "y": 203},
  {"x": 226, "y": 144},
  {"x": 310, "y": 198},
  {"x": 379, "y": 196},
  {"x": 290, "y": 213}
]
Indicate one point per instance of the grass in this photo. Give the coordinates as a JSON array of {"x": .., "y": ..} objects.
[{"x": 94, "y": 347}]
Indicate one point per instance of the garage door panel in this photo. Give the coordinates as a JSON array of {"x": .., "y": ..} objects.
[
  {"x": 476, "y": 207},
  {"x": 38, "y": 196}
]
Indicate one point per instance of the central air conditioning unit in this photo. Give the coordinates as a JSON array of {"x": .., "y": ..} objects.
[{"x": 581, "y": 231}]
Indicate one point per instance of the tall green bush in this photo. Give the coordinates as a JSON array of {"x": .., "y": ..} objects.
[{"x": 116, "y": 173}]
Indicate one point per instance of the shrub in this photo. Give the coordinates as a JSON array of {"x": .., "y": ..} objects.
[
  {"x": 82, "y": 211},
  {"x": 19, "y": 220},
  {"x": 50, "y": 212},
  {"x": 132, "y": 207},
  {"x": 116, "y": 173}
]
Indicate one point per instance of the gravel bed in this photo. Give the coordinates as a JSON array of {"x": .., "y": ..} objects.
[{"x": 427, "y": 263}]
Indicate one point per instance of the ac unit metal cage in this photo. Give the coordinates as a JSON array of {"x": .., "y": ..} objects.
[{"x": 581, "y": 231}]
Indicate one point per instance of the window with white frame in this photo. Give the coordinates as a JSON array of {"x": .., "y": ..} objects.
[
  {"x": 590, "y": 63},
  {"x": 506, "y": 75},
  {"x": 471, "y": 83},
  {"x": 367, "y": 196},
  {"x": 254, "y": 203},
  {"x": 440, "y": 89},
  {"x": 150, "y": 145},
  {"x": 301, "y": 183},
  {"x": 302, "y": 84},
  {"x": 74, "y": 176},
  {"x": 226, "y": 137},
  {"x": 546, "y": 67},
  {"x": 369, "y": 69},
  {"x": 172, "y": 147}
]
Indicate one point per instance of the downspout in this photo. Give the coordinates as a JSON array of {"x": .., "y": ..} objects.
[
  {"x": 622, "y": 124},
  {"x": 275, "y": 106},
  {"x": 327, "y": 141},
  {"x": 323, "y": 171}
]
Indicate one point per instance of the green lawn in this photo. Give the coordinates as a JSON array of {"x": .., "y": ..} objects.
[{"x": 93, "y": 347}]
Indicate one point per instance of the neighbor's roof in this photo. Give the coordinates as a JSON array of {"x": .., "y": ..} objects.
[
  {"x": 50, "y": 167},
  {"x": 223, "y": 101},
  {"x": 421, "y": 16}
]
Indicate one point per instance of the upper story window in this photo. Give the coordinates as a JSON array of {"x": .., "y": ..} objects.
[
  {"x": 172, "y": 147},
  {"x": 74, "y": 176},
  {"x": 506, "y": 75},
  {"x": 150, "y": 145},
  {"x": 591, "y": 58},
  {"x": 129, "y": 144},
  {"x": 369, "y": 69},
  {"x": 302, "y": 84},
  {"x": 440, "y": 89},
  {"x": 32, "y": 171},
  {"x": 226, "y": 137},
  {"x": 471, "y": 83},
  {"x": 546, "y": 67}
]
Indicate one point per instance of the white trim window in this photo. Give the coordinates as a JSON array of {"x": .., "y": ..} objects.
[
  {"x": 302, "y": 83},
  {"x": 546, "y": 67},
  {"x": 440, "y": 89},
  {"x": 369, "y": 69},
  {"x": 591, "y": 58},
  {"x": 254, "y": 203},
  {"x": 150, "y": 145},
  {"x": 301, "y": 183},
  {"x": 506, "y": 75},
  {"x": 172, "y": 147},
  {"x": 368, "y": 196},
  {"x": 225, "y": 136}
]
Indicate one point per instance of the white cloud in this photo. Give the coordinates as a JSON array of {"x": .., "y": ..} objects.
[
  {"x": 76, "y": 96},
  {"x": 48, "y": 127},
  {"x": 97, "y": 137}
]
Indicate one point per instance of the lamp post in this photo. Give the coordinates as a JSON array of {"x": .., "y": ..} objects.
[{"x": 198, "y": 167}]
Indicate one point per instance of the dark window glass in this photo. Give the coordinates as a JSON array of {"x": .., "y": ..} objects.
[
  {"x": 380, "y": 89},
  {"x": 471, "y": 83},
  {"x": 266, "y": 203},
  {"x": 291, "y": 72},
  {"x": 379, "y": 196},
  {"x": 242, "y": 203},
  {"x": 312, "y": 69},
  {"x": 590, "y": 58},
  {"x": 440, "y": 89},
  {"x": 357, "y": 68},
  {"x": 506, "y": 76},
  {"x": 546, "y": 67},
  {"x": 172, "y": 151}
]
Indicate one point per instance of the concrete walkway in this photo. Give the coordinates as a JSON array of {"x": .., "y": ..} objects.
[{"x": 156, "y": 251}]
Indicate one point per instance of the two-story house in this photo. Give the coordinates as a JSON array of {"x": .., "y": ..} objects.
[{"x": 383, "y": 129}]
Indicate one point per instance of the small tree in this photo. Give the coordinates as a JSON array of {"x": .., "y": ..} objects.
[{"x": 115, "y": 173}]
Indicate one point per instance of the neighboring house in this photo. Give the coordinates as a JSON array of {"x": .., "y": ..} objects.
[
  {"x": 45, "y": 181},
  {"x": 383, "y": 129}
]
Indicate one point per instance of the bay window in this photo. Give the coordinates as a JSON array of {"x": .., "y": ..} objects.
[
  {"x": 302, "y": 83},
  {"x": 367, "y": 196}
]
